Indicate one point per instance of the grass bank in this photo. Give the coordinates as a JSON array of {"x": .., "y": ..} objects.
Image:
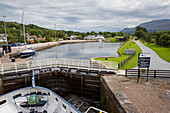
[
  {"x": 131, "y": 63},
  {"x": 163, "y": 52}
]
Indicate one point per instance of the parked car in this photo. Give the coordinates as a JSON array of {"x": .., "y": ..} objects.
[
  {"x": 60, "y": 39},
  {"x": 15, "y": 44},
  {"x": 29, "y": 43},
  {"x": 20, "y": 44}
]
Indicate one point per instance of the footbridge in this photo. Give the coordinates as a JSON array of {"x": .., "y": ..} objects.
[{"x": 61, "y": 64}]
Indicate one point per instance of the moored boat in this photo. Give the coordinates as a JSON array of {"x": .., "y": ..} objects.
[{"x": 26, "y": 53}]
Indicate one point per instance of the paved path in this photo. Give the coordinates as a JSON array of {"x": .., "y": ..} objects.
[{"x": 156, "y": 62}]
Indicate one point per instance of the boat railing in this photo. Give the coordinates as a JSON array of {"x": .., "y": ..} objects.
[{"x": 94, "y": 110}]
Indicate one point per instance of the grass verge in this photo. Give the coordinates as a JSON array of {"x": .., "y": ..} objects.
[
  {"x": 131, "y": 63},
  {"x": 163, "y": 52}
]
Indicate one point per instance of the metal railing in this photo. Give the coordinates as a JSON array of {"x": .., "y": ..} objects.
[
  {"x": 43, "y": 63},
  {"x": 120, "y": 65},
  {"x": 94, "y": 110},
  {"x": 151, "y": 73}
]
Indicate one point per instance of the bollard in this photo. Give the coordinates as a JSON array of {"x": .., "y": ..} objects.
[{"x": 13, "y": 59}]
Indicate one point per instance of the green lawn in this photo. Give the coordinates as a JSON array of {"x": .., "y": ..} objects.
[
  {"x": 130, "y": 64},
  {"x": 113, "y": 40},
  {"x": 118, "y": 36},
  {"x": 163, "y": 52}
]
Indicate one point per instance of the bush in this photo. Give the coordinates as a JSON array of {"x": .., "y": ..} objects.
[
  {"x": 164, "y": 40},
  {"x": 113, "y": 40}
]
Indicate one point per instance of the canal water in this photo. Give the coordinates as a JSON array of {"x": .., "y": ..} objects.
[{"x": 79, "y": 51}]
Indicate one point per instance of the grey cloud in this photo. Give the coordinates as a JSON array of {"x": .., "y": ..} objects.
[{"x": 86, "y": 15}]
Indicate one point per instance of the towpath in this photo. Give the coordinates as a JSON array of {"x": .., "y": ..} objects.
[{"x": 156, "y": 62}]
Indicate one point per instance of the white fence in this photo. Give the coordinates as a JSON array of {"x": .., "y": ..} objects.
[{"x": 69, "y": 63}]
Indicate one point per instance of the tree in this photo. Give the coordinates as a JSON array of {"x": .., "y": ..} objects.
[
  {"x": 65, "y": 37},
  {"x": 48, "y": 38},
  {"x": 34, "y": 32},
  {"x": 121, "y": 33},
  {"x": 148, "y": 37},
  {"x": 79, "y": 37},
  {"x": 140, "y": 34},
  {"x": 138, "y": 28},
  {"x": 113, "y": 34},
  {"x": 164, "y": 40},
  {"x": 100, "y": 33}
]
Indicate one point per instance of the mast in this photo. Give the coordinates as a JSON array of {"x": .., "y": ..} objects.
[
  {"x": 5, "y": 29},
  {"x": 23, "y": 28},
  {"x": 20, "y": 34}
]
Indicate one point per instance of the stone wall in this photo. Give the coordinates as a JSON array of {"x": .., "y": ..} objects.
[{"x": 113, "y": 98}]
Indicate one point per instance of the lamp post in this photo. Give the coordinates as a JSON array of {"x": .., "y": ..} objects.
[
  {"x": 55, "y": 31},
  {"x": 5, "y": 29}
]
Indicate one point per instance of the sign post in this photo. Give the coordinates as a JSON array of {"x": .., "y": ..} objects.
[{"x": 144, "y": 62}]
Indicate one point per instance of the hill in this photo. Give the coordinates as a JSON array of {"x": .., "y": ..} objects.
[
  {"x": 155, "y": 25},
  {"x": 13, "y": 30}
]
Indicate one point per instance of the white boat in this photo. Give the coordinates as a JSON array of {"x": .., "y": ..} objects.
[
  {"x": 37, "y": 99},
  {"x": 27, "y": 52},
  {"x": 34, "y": 100}
]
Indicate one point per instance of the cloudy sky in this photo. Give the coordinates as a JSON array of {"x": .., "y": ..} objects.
[{"x": 85, "y": 15}]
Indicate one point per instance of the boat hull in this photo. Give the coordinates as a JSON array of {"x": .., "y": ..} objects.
[
  {"x": 17, "y": 101},
  {"x": 27, "y": 53}
]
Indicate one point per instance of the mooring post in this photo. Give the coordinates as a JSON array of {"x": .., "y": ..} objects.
[
  {"x": 1, "y": 85},
  {"x": 25, "y": 81},
  {"x": 138, "y": 75},
  {"x": 155, "y": 74},
  {"x": 82, "y": 82},
  {"x": 126, "y": 73},
  {"x": 147, "y": 74}
]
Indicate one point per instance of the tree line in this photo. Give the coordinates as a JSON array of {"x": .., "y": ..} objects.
[
  {"x": 14, "y": 32},
  {"x": 161, "y": 38}
]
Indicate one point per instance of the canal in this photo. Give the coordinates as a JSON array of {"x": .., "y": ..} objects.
[
  {"x": 77, "y": 51},
  {"x": 80, "y": 50}
]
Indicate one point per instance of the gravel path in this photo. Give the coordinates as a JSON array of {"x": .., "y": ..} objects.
[
  {"x": 156, "y": 62},
  {"x": 150, "y": 98}
]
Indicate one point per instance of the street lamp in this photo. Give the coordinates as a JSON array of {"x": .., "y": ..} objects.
[
  {"x": 5, "y": 30},
  {"x": 55, "y": 31}
]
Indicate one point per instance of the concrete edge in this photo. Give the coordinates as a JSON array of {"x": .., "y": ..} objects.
[{"x": 117, "y": 97}]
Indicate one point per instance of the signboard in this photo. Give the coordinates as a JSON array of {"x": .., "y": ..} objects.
[{"x": 144, "y": 60}]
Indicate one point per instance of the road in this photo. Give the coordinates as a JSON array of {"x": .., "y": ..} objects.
[{"x": 156, "y": 62}]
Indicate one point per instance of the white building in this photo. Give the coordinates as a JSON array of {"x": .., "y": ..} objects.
[
  {"x": 94, "y": 37},
  {"x": 72, "y": 37}
]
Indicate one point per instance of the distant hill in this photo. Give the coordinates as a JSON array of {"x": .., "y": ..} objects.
[{"x": 155, "y": 25}]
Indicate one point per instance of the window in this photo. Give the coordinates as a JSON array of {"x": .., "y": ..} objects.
[
  {"x": 16, "y": 96},
  {"x": 64, "y": 106},
  {"x": 2, "y": 102}
]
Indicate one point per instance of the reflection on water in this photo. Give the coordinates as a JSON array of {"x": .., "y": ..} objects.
[{"x": 80, "y": 50}]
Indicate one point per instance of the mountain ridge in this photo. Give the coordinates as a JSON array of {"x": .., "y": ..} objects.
[{"x": 154, "y": 25}]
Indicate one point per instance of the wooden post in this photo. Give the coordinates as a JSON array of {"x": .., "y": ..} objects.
[
  {"x": 126, "y": 73},
  {"x": 138, "y": 75},
  {"x": 25, "y": 81},
  {"x": 1, "y": 85},
  {"x": 82, "y": 83},
  {"x": 147, "y": 74},
  {"x": 155, "y": 74}
]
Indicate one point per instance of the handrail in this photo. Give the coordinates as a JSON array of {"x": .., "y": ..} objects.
[
  {"x": 28, "y": 65},
  {"x": 100, "y": 111}
]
